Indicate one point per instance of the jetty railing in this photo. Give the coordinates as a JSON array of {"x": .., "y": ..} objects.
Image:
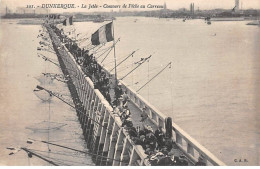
[
  {"x": 115, "y": 140},
  {"x": 106, "y": 139},
  {"x": 105, "y": 136},
  {"x": 189, "y": 146}
]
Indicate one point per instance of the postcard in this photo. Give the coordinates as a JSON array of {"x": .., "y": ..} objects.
[{"x": 129, "y": 83}]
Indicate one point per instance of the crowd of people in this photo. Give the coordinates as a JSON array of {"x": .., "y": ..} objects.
[
  {"x": 88, "y": 64},
  {"x": 156, "y": 144}
]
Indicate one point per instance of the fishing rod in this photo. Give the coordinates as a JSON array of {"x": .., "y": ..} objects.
[
  {"x": 124, "y": 60},
  {"x": 98, "y": 48},
  {"x": 57, "y": 77},
  {"x": 48, "y": 59},
  {"x": 110, "y": 61},
  {"x": 75, "y": 76},
  {"x": 155, "y": 76},
  {"x": 61, "y": 161},
  {"x": 30, "y": 153},
  {"x": 42, "y": 35},
  {"x": 105, "y": 49},
  {"x": 83, "y": 36},
  {"x": 143, "y": 60},
  {"x": 80, "y": 151},
  {"x": 50, "y": 47},
  {"x": 65, "y": 81},
  {"x": 123, "y": 68},
  {"x": 110, "y": 48},
  {"x": 54, "y": 75},
  {"x": 143, "y": 80},
  {"x": 58, "y": 95},
  {"x": 41, "y": 49},
  {"x": 82, "y": 40},
  {"x": 68, "y": 99},
  {"x": 106, "y": 55},
  {"x": 46, "y": 44},
  {"x": 44, "y": 38},
  {"x": 93, "y": 47},
  {"x": 52, "y": 93},
  {"x": 88, "y": 45}
]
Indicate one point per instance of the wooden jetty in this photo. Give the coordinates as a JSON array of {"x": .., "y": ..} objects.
[{"x": 108, "y": 140}]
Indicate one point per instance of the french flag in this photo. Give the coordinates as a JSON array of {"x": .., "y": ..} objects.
[{"x": 102, "y": 35}]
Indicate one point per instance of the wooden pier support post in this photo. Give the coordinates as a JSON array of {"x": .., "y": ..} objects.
[
  {"x": 88, "y": 112},
  {"x": 84, "y": 101},
  {"x": 113, "y": 140},
  {"x": 93, "y": 111},
  {"x": 134, "y": 158},
  {"x": 103, "y": 135},
  {"x": 87, "y": 102},
  {"x": 111, "y": 124},
  {"x": 97, "y": 130},
  {"x": 125, "y": 155},
  {"x": 118, "y": 147}
]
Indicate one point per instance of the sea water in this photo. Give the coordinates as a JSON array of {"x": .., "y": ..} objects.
[{"x": 210, "y": 90}]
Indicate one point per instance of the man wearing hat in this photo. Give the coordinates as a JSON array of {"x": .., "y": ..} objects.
[
  {"x": 125, "y": 98},
  {"x": 144, "y": 116},
  {"x": 160, "y": 137},
  {"x": 107, "y": 96},
  {"x": 152, "y": 140},
  {"x": 181, "y": 161},
  {"x": 118, "y": 91}
]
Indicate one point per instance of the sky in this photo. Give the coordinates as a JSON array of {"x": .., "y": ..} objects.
[{"x": 171, "y": 4}]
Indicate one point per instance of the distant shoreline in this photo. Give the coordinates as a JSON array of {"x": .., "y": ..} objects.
[{"x": 40, "y": 20}]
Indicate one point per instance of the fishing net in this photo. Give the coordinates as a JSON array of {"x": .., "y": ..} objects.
[
  {"x": 45, "y": 80},
  {"x": 43, "y": 95},
  {"x": 46, "y": 126}
]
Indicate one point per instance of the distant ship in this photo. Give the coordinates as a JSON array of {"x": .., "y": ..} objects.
[{"x": 228, "y": 19}]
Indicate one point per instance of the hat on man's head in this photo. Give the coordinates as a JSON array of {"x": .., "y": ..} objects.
[{"x": 142, "y": 137}]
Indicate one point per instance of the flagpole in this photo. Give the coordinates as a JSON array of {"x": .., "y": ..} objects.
[{"x": 114, "y": 51}]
